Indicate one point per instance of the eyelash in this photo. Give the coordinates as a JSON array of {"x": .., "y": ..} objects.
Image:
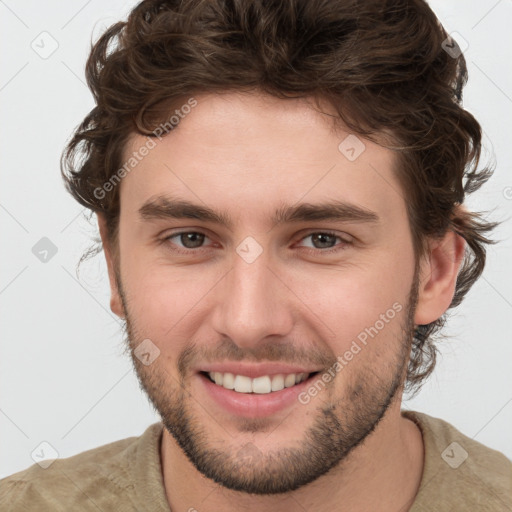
[{"x": 343, "y": 244}]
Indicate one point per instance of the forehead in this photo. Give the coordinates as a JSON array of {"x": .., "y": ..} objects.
[{"x": 255, "y": 151}]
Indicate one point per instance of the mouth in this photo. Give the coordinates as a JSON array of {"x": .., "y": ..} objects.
[
  {"x": 262, "y": 385},
  {"x": 249, "y": 390}
]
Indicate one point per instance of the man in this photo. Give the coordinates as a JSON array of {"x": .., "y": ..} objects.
[{"x": 279, "y": 189}]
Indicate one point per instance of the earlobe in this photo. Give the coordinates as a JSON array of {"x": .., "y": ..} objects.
[
  {"x": 116, "y": 304},
  {"x": 438, "y": 277}
]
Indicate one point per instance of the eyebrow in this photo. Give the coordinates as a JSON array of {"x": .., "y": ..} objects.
[{"x": 163, "y": 207}]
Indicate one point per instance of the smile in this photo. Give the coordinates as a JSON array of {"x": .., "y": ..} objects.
[{"x": 259, "y": 385}]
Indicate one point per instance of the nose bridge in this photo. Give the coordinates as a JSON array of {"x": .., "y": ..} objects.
[{"x": 251, "y": 304}]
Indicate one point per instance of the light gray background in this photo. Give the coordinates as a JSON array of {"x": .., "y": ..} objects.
[{"x": 63, "y": 379}]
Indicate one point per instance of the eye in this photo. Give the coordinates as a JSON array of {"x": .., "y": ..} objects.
[
  {"x": 187, "y": 242},
  {"x": 190, "y": 240},
  {"x": 325, "y": 242}
]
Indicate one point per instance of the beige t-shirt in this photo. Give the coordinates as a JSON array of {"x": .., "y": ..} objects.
[{"x": 459, "y": 474}]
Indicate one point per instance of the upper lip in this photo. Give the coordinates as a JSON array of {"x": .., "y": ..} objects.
[{"x": 254, "y": 370}]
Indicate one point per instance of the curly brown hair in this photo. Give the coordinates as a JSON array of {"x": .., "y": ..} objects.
[{"x": 382, "y": 64}]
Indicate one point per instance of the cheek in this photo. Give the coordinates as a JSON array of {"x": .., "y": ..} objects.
[
  {"x": 164, "y": 302},
  {"x": 362, "y": 302}
]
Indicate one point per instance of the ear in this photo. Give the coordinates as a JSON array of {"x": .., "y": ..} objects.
[
  {"x": 116, "y": 304},
  {"x": 438, "y": 276}
]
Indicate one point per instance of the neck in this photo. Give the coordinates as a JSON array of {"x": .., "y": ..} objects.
[{"x": 383, "y": 473}]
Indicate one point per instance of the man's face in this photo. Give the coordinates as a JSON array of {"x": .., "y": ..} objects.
[{"x": 263, "y": 299}]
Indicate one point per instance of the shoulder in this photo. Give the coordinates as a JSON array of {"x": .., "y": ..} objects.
[
  {"x": 459, "y": 471},
  {"x": 87, "y": 480}
]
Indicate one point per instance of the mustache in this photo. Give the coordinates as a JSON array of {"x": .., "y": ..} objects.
[{"x": 227, "y": 350}]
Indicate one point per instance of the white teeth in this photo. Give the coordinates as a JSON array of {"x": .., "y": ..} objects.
[
  {"x": 260, "y": 385},
  {"x": 229, "y": 381},
  {"x": 243, "y": 384},
  {"x": 289, "y": 380},
  {"x": 277, "y": 382}
]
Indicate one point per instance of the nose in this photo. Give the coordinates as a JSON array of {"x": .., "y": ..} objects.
[{"x": 252, "y": 303}]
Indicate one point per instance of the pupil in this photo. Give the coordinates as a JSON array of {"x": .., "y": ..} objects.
[
  {"x": 324, "y": 236},
  {"x": 195, "y": 238}
]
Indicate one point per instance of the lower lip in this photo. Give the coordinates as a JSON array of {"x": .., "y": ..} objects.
[{"x": 254, "y": 405}]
